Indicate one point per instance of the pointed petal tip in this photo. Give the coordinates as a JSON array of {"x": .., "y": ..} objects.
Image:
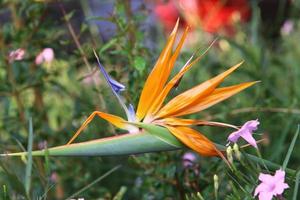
[
  {"x": 239, "y": 64},
  {"x": 174, "y": 31},
  {"x": 249, "y": 84}
]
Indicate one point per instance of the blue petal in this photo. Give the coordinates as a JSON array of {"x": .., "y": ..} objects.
[
  {"x": 115, "y": 85},
  {"x": 131, "y": 112},
  {"x": 116, "y": 88}
]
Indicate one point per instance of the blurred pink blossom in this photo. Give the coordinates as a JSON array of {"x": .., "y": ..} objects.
[
  {"x": 245, "y": 132},
  {"x": 188, "y": 159},
  {"x": 54, "y": 177},
  {"x": 287, "y": 27},
  {"x": 16, "y": 55},
  {"x": 47, "y": 55},
  {"x": 93, "y": 78},
  {"x": 42, "y": 144},
  {"x": 271, "y": 185}
]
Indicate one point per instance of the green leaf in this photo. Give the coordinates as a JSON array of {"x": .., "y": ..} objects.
[
  {"x": 107, "y": 45},
  {"x": 139, "y": 64}
]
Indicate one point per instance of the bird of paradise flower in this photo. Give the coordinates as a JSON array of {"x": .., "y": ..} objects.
[
  {"x": 150, "y": 109},
  {"x": 154, "y": 116}
]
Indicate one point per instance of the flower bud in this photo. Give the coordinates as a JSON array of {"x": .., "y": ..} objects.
[
  {"x": 229, "y": 154},
  {"x": 236, "y": 150},
  {"x": 216, "y": 182}
]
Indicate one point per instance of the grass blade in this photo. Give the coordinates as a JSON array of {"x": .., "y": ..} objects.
[
  {"x": 296, "y": 186},
  {"x": 292, "y": 145},
  {"x": 94, "y": 182},
  {"x": 120, "y": 194},
  {"x": 4, "y": 195},
  {"x": 29, "y": 159}
]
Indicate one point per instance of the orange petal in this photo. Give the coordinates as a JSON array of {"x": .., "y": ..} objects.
[
  {"x": 115, "y": 120},
  {"x": 194, "y": 140},
  {"x": 155, "y": 81},
  {"x": 215, "y": 97},
  {"x": 189, "y": 122},
  {"x": 171, "y": 84},
  {"x": 180, "y": 102},
  {"x": 177, "y": 51}
]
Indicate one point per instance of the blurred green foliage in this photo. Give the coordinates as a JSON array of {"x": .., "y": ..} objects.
[{"x": 61, "y": 94}]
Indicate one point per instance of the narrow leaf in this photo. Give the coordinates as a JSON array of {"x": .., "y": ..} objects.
[
  {"x": 94, "y": 182},
  {"x": 296, "y": 189},
  {"x": 29, "y": 158},
  {"x": 292, "y": 145}
]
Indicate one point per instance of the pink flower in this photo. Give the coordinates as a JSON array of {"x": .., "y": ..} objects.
[
  {"x": 188, "y": 159},
  {"x": 271, "y": 185},
  {"x": 47, "y": 55},
  {"x": 54, "y": 177},
  {"x": 16, "y": 55},
  {"x": 42, "y": 144},
  {"x": 287, "y": 27},
  {"x": 245, "y": 132}
]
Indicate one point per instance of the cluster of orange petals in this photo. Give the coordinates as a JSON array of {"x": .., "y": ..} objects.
[{"x": 151, "y": 109}]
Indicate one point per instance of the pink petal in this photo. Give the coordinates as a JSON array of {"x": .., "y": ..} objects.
[
  {"x": 48, "y": 54},
  {"x": 251, "y": 125},
  {"x": 249, "y": 138},
  {"x": 280, "y": 187},
  {"x": 261, "y": 188},
  {"x": 265, "y": 196},
  {"x": 265, "y": 178},
  {"x": 279, "y": 175},
  {"x": 16, "y": 55},
  {"x": 245, "y": 132},
  {"x": 188, "y": 159},
  {"x": 233, "y": 137},
  {"x": 39, "y": 59}
]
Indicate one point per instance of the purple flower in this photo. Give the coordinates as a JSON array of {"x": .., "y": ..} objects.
[
  {"x": 271, "y": 185},
  {"x": 245, "y": 132},
  {"x": 188, "y": 159},
  {"x": 16, "y": 55}
]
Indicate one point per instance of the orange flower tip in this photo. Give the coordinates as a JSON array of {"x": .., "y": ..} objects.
[
  {"x": 175, "y": 27},
  {"x": 240, "y": 63},
  {"x": 254, "y": 82}
]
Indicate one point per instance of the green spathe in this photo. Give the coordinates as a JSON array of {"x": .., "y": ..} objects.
[{"x": 151, "y": 139}]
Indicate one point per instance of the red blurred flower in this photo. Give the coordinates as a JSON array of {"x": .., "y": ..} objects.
[{"x": 211, "y": 15}]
